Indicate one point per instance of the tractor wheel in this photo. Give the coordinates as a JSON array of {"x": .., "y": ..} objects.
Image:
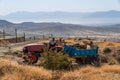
[{"x": 33, "y": 59}]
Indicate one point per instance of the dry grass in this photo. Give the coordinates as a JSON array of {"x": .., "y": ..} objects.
[
  {"x": 4, "y": 43},
  {"x": 10, "y": 70},
  {"x": 112, "y": 68},
  {"x": 70, "y": 42},
  {"x": 102, "y": 45},
  {"x": 105, "y": 72}
]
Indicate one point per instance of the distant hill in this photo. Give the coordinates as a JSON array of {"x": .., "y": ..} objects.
[
  {"x": 104, "y": 14},
  {"x": 102, "y": 17},
  {"x": 47, "y": 28},
  {"x": 5, "y": 23},
  {"x": 60, "y": 29}
]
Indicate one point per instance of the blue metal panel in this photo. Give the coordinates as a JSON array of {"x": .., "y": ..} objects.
[{"x": 83, "y": 52}]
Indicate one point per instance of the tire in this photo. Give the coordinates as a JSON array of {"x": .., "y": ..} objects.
[
  {"x": 33, "y": 59},
  {"x": 96, "y": 60}
]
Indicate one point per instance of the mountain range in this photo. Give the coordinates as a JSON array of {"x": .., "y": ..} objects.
[
  {"x": 61, "y": 29},
  {"x": 86, "y": 18}
]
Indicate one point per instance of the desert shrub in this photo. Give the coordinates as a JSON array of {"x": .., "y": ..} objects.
[
  {"x": 106, "y": 50},
  {"x": 55, "y": 60},
  {"x": 112, "y": 61},
  {"x": 118, "y": 58},
  {"x": 104, "y": 58}
]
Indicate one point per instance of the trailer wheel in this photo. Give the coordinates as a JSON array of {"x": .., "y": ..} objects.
[
  {"x": 96, "y": 60},
  {"x": 33, "y": 59}
]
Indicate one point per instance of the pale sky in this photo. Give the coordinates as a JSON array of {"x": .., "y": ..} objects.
[{"x": 8, "y": 6}]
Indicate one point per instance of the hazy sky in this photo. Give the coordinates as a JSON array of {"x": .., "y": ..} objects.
[{"x": 8, "y": 6}]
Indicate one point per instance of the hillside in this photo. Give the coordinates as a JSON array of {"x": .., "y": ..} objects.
[
  {"x": 61, "y": 29},
  {"x": 4, "y": 23}
]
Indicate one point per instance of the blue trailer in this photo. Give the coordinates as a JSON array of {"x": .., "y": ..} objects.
[
  {"x": 83, "y": 55},
  {"x": 73, "y": 52}
]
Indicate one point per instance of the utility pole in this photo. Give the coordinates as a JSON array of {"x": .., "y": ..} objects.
[
  {"x": 16, "y": 35},
  {"x": 43, "y": 36},
  {"x": 34, "y": 37},
  {"x": 3, "y": 34},
  {"x": 24, "y": 36}
]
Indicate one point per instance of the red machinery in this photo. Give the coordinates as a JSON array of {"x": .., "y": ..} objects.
[{"x": 32, "y": 52}]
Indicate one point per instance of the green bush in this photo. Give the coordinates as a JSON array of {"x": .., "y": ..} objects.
[
  {"x": 55, "y": 60},
  {"x": 106, "y": 50}
]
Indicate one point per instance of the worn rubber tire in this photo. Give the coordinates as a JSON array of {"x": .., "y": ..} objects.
[{"x": 33, "y": 59}]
